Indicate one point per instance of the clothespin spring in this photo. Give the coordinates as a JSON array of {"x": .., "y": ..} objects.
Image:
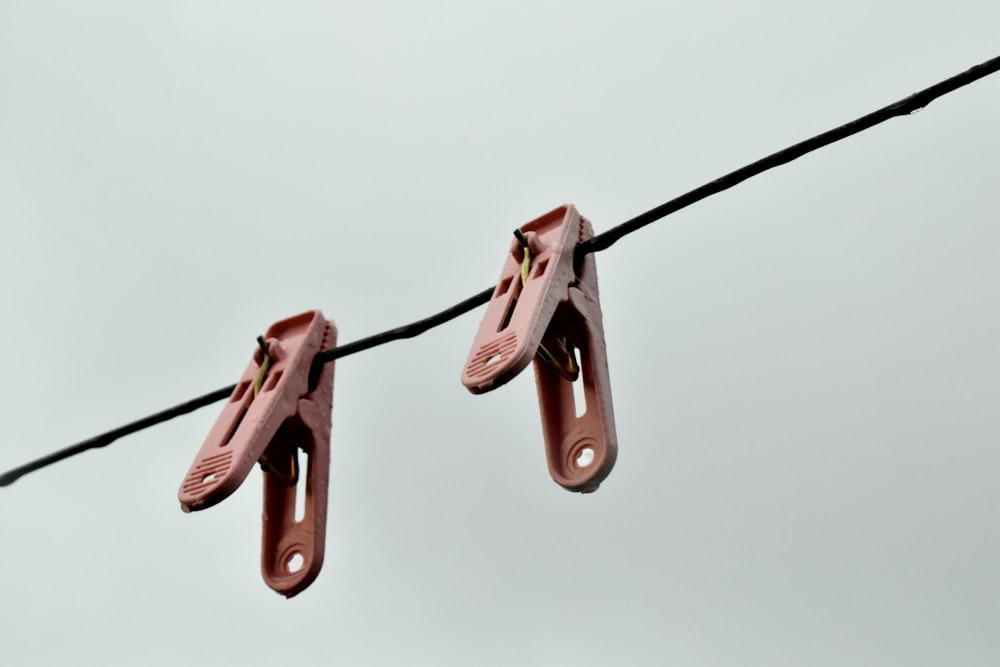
[
  {"x": 287, "y": 472},
  {"x": 569, "y": 369}
]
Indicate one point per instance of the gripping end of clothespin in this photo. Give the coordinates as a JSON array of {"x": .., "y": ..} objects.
[{"x": 581, "y": 444}]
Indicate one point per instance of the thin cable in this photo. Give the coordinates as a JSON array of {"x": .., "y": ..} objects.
[
  {"x": 903, "y": 107},
  {"x": 406, "y": 331},
  {"x": 106, "y": 439},
  {"x": 598, "y": 243}
]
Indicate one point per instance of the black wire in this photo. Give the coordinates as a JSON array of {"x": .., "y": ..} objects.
[
  {"x": 105, "y": 439},
  {"x": 405, "y": 331},
  {"x": 600, "y": 242},
  {"x": 399, "y": 333},
  {"x": 903, "y": 107}
]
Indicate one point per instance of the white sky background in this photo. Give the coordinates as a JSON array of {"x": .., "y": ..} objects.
[{"x": 805, "y": 369}]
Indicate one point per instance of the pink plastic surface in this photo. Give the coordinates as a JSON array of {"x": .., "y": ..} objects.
[
  {"x": 282, "y": 420},
  {"x": 561, "y": 306}
]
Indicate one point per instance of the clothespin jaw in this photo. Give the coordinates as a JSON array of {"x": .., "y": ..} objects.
[
  {"x": 545, "y": 308},
  {"x": 271, "y": 416}
]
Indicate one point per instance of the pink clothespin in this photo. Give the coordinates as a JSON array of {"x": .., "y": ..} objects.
[
  {"x": 544, "y": 309},
  {"x": 270, "y": 416}
]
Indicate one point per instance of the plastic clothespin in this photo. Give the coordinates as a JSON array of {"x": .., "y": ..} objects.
[
  {"x": 544, "y": 309},
  {"x": 271, "y": 415}
]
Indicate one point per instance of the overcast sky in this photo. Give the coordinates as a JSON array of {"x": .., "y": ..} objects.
[{"x": 805, "y": 370}]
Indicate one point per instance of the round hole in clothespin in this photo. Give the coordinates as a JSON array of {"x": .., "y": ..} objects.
[
  {"x": 582, "y": 453},
  {"x": 295, "y": 562}
]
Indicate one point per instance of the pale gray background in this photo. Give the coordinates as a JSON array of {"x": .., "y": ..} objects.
[{"x": 806, "y": 369}]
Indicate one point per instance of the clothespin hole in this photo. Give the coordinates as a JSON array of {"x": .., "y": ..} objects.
[
  {"x": 492, "y": 360},
  {"x": 579, "y": 396},
  {"x": 295, "y": 562},
  {"x": 240, "y": 390},
  {"x": 272, "y": 381},
  {"x": 208, "y": 479},
  {"x": 300, "y": 492},
  {"x": 503, "y": 287},
  {"x": 540, "y": 268},
  {"x": 585, "y": 457}
]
